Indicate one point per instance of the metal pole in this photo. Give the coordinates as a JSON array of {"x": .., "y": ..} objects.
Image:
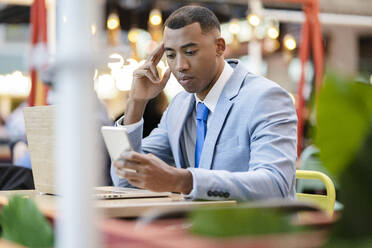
[
  {"x": 254, "y": 46},
  {"x": 76, "y": 128},
  {"x": 255, "y": 52},
  {"x": 51, "y": 20}
]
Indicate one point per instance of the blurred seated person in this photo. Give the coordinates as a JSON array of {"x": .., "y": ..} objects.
[
  {"x": 153, "y": 112},
  {"x": 15, "y": 125},
  {"x": 21, "y": 155},
  {"x": 5, "y": 156},
  {"x": 15, "y": 177},
  {"x": 3, "y": 132},
  {"x": 13, "y": 135}
]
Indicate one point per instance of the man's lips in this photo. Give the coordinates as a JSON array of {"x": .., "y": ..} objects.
[{"x": 185, "y": 79}]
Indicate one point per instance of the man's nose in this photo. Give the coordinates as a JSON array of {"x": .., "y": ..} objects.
[{"x": 182, "y": 64}]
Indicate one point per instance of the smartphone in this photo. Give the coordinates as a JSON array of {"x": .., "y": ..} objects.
[{"x": 117, "y": 141}]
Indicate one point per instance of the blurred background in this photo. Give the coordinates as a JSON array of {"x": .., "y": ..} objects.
[
  {"x": 265, "y": 35},
  {"x": 296, "y": 45}
]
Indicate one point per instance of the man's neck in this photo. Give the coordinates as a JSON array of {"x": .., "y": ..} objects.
[{"x": 205, "y": 92}]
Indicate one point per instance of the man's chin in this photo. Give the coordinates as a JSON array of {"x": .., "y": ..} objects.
[{"x": 189, "y": 89}]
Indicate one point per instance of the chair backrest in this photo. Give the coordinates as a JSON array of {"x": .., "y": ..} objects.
[{"x": 324, "y": 202}]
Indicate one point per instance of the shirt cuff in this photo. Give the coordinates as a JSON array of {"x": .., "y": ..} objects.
[
  {"x": 130, "y": 128},
  {"x": 192, "y": 194}
]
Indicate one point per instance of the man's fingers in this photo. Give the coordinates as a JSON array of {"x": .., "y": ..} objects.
[
  {"x": 146, "y": 72},
  {"x": 139, "y": 73},
  {"x": 157, "y": 54},
  {"x": 128, "y": 174},
  {"x": 154, "y": 71},
  {"x": 135, "y": 157},
  {"x": 132, "y": 165},
  {"x": 166, "y": 77},
  {"x": 151, "y": 76},
  {"x": 136, "y": 183},
  {"x": 134, "y": 179},
  {"x": 119, "y": 163},
  {"x": 120, "y": 172},
  {"x": 131, "y": 175},
  {"x": 126, "y": 162}
]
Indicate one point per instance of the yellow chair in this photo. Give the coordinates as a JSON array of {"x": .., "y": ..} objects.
[{"x": 324, "y": 202}]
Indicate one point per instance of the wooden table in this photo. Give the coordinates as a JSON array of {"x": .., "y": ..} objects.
[
  {"x": 115, "y": 207},
  {"x": 166, "y": 233}
]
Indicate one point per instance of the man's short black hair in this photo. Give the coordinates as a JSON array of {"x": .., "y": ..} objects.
[{"x": 190, "y": 14}]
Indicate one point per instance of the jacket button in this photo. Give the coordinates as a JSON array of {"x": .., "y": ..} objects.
[
  {"x": 209, "y": 193},
  {"x": 226, "y": 194}
]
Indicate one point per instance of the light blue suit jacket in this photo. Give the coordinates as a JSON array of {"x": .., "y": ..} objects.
[{"x": 250, "y": 146}]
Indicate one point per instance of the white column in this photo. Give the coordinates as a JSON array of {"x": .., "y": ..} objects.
[
  {"x": 76, "y": 128},
  {"x": 254, "y": 46},
  {"x": 343, "y": 54},
  {"x": 51, "y": 26},
  {"x": 255, "y": 53}
]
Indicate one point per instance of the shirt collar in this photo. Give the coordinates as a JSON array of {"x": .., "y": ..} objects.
[{"x": 214, "y": 94}]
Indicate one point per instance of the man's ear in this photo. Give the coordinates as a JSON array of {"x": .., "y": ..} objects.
[{"x": 220, "y": 46}]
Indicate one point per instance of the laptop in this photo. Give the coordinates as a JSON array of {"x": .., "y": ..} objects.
[{"x": 40, "y": 132}]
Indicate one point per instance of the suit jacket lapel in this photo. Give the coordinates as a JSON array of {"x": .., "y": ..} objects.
[
  {"x": 224, "y": 104},
  {"x": 184, "y": 113},
  {"x": 213, "y": 132}
]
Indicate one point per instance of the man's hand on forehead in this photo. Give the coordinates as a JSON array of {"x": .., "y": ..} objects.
[
  {"x": 152, "y": 61},
  {"x": 157, "y": 54},
  {"x": 147, "y": 84}
]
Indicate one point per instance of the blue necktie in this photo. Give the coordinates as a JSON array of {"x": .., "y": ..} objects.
[{"x": 201, "y": 129}]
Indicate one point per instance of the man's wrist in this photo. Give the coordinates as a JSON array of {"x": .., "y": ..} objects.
[
  {"x": 134, "y": 111},
  {"x": 137, "y": 101},
  {"x": 184, "y": 181}
]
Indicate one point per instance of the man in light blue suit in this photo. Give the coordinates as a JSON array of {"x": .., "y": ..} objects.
[{"x": 230, "y": 135}]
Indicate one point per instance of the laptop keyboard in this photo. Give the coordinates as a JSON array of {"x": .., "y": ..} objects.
[{"x": 100, "y": 191}]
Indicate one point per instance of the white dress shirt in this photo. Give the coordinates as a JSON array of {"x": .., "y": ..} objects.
[{"x": 188, "y": 136}]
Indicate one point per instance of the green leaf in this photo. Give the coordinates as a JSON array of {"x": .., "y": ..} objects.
[
  {"x": 23, "y": 223},
  {"x": 356, "y": 186},
  {"x": 347, "y": 243},
  {"x": 344, "y": 116},
  {"x": 238, "y": 221}
]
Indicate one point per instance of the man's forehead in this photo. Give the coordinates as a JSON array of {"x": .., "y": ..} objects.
[
  {"x": 191, "y": 33},
  {"x": 191, "y": 29}
]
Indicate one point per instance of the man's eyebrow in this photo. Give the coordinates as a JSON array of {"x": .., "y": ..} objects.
[
  {"x": 182, "y": 47},
  {"x": 188, "y": 45}
]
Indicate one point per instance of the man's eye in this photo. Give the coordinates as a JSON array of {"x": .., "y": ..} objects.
[
  {"x": 170, "y": 56},
  {"x": 190, "y": 52}
]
